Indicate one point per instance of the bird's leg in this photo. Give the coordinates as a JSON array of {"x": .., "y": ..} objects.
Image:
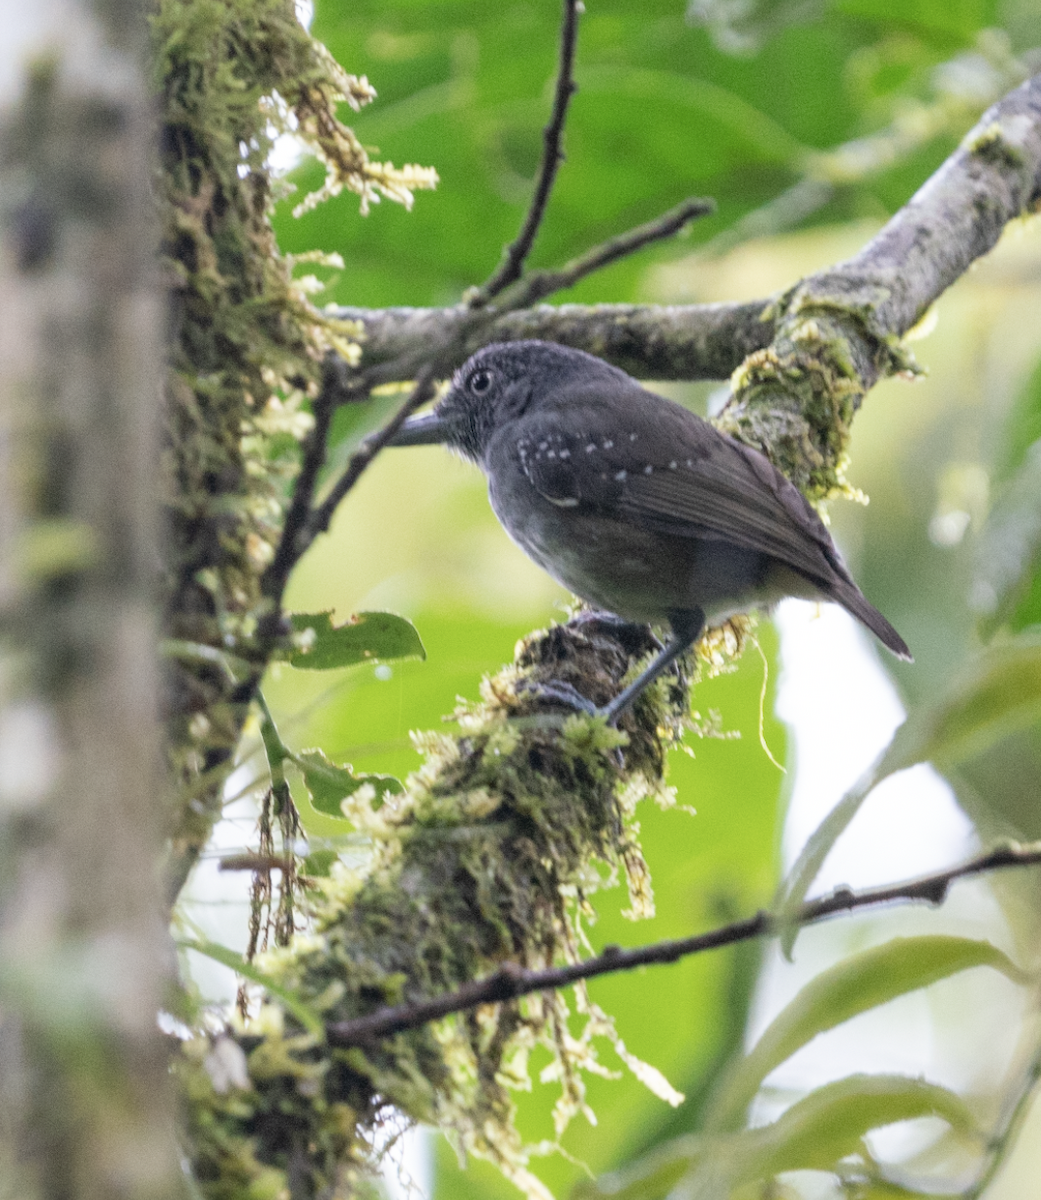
[
  {"x": 687, "y": 625},
  {"x": 593, "y": 626}
]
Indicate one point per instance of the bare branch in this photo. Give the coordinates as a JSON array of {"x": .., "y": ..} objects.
[
  {"x": 322, "y": 514},
  {"x": 683, "y": 341},
  {"x": 541, "y": 284},
  {"x": 511, "y": 981},
  {"x": 513, "y": 263},
  {"x": 956, "y": 217},
  {"x": 288, "y": 554}
]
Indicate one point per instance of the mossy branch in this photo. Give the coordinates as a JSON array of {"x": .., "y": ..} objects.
[
  {"x": 486, "y": 859},
  {"x": 510, "y": 981},
  {"x": 246, "y": 356}
]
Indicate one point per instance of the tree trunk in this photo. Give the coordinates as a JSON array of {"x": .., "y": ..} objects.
[{"x": 85, "y": 1108}]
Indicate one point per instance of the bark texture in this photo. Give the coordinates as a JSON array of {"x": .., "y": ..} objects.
[{"x": 85, "y": 1105}]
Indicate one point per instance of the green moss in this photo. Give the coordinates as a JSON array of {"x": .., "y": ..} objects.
[
  {"x": 245, "y": 347},
  {"x": 486, "y": 858},
  {"x": 796, "y": 400},
  {"x": 992, "y": 146}
]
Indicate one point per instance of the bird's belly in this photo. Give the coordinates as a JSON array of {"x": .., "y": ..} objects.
[{"x": 642, "y": 575}]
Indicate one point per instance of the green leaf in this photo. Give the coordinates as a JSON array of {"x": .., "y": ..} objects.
[
  {"x": 1006, "y": 584},
  {"x": 855, "y": 985},
  {"x": 330, "y": 785},
  {"x": 956, "y": 19},
  {"x": 824, "y": 1127},
  {"x": 830, "y": 1122},
  {"x": 366, "y": 637},
  {"x": 792, "y": 892},
  {"x": 318, "y": 864},
  {"x": 999, "y": 695},
  {"x": 309, "y": 1019},
  {"x": 815, "y": 1134},
  {"x": 652, "y": 1178}
]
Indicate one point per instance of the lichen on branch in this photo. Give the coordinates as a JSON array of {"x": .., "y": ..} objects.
[{"x": 312, "y": 98}]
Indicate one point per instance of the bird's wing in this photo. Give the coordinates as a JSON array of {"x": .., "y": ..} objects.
[
  {"x": 700, "y": 483},
  {"x": 733, "y": 496}
]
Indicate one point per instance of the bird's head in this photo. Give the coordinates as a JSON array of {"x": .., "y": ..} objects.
[{"x": 495, "y": 386}]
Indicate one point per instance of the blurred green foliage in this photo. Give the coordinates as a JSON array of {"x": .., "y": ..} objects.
[{"x": 661, "y": 113}]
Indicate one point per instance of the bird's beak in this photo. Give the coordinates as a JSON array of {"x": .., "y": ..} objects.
[{"x": 426, "y": 430}]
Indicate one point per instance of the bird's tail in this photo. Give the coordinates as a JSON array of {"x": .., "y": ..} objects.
[{"x": 846, "y": 593}]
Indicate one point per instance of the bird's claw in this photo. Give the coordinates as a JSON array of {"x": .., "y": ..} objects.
[
  {"x": 563, "y": 693},
  {"x": 566, "y": 694}
]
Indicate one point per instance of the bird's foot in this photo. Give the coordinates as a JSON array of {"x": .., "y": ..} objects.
[
  {"x": 571, "y": 697},
  {"x": 631, "y": 635},
  {"x": 565, "y": 694}
]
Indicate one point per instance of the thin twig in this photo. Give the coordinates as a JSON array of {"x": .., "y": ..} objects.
[
  {"x": 322, "y": 514},
  {"x": 528, "y": 291},
  {"x": 1009, "y": 1128},
  {"x": 288, "y": 554},
  {"x": 513, "y": 262},
  {"x": 511, "y": 981},
  {"x": 540, "y": 284}
]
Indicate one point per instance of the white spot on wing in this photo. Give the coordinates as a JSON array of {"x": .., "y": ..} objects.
[{"x": 621, "y": 476}]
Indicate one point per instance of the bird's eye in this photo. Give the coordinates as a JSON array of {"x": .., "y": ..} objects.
[{"x": 479, "y": 381}]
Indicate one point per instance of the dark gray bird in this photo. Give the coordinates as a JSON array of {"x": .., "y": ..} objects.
[{"x": 634, "y": 503}]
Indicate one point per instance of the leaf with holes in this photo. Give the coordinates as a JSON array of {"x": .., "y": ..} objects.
[
  {"x": 366, "y": 637},
  {"x": 330, "y": 785}
]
